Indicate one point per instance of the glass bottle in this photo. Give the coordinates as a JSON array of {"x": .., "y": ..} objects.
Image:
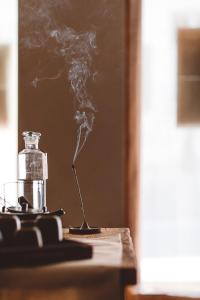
[{"x": 32, "y": 172}]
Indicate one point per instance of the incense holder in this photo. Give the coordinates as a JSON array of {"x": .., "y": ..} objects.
[{"x": 82, "y": 231}]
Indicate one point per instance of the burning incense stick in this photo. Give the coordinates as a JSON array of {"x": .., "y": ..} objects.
[{"x": 85, "y": 224}]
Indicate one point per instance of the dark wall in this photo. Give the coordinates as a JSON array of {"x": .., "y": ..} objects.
[{"x": 49, "y": 107}]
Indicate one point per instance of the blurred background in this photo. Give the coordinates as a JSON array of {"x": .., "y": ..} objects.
[
  {"x": 8, "y": 91},
  {"x": 170, "y": 141},
  {"x": 169, "y": 192}
]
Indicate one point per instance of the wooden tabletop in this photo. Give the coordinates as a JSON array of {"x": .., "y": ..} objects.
[
  {"x": 126, "y": 262},
  {"x": 113, "y": 252}
]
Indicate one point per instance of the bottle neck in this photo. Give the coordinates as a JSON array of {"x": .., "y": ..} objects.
[
  {"x": 31, "y": 142},
  {"x": 31, "y": 146}
]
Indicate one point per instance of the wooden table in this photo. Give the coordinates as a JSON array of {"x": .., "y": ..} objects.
[
  {"x": 127, "y": 263},
  {"x": 112, "y": 267}
]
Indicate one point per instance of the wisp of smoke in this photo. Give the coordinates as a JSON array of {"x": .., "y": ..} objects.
[
  {"x": 76, "y": 49},
  {"x": 85, "y": 121}
]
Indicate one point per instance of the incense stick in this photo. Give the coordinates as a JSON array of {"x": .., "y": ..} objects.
[{"x": 85, "y": 224}]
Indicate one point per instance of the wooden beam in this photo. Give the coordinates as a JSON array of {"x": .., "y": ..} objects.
[{"x": 133, "y": 115}]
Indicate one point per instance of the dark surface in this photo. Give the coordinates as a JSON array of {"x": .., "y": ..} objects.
[
  {"x": 32, "y": 256},
  {"x": 31, "y": 214}
]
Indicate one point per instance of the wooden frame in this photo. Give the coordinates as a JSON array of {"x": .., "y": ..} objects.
[
  {"x": 188, "y": 76},
  {"x": 133, "y": 115}
]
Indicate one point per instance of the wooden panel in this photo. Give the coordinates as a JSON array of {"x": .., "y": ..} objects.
[
  {"x": 49, "y": 108},
  {"x": 188, "y": 76}
]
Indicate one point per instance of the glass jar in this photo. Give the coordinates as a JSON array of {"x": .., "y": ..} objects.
[{"x": 32, "y": 171}]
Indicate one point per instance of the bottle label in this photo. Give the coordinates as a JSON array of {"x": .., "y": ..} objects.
[{"x": 32, "y": 166}]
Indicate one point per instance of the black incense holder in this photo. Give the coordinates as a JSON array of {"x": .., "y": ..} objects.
[{"x": 81, "y": 230}]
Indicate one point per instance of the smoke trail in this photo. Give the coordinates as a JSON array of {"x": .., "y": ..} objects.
[
  {"x": 85, "y": 127},
  {"x": 76, "y": 50},
  {"x": 37, "y": 80}
]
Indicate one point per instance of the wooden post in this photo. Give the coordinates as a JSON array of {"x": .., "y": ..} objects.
[{"x": 133, "y": 115}]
